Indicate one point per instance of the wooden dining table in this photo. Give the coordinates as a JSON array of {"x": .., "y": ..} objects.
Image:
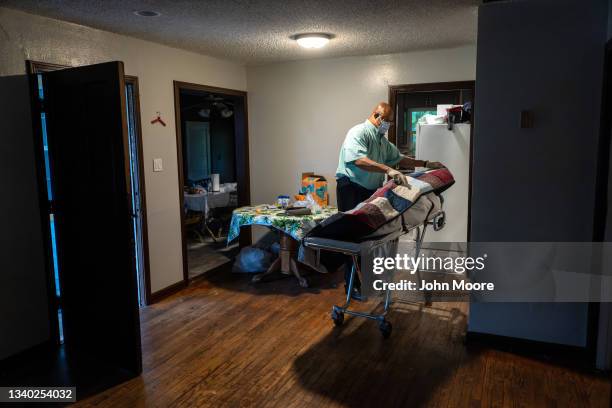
[{"x": 291, "y": 230}]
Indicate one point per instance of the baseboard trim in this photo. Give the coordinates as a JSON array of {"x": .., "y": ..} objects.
[
  {"x": 13, "y": 359},
  {"x": 570, "y": 356},
  {"x": 167, "y": 291}
]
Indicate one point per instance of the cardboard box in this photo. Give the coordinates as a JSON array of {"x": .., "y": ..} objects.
[{"x": 316, "y": 185}]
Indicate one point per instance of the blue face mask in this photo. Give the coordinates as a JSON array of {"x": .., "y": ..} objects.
[{"x": 384, "y": 127}]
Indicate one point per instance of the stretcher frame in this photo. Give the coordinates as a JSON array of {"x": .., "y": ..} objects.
[{"x": 437, "y": 221}]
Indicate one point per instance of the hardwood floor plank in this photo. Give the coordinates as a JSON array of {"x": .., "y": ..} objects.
[{"x": 223, "y": 342}]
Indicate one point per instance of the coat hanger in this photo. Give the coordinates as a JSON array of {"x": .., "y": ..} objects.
[{"x": 158, "y": 119}]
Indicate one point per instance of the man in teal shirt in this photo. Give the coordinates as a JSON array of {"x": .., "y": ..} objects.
[{"x": 366, "y": 156}]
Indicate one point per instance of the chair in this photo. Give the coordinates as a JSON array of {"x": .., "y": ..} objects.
[{"x": 193, "y": 224}]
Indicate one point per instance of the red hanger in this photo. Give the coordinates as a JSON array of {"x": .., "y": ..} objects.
[{"x": 158, "y": 119}]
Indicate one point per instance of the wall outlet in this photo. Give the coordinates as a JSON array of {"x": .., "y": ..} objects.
[{"x": 158, "y": 165}]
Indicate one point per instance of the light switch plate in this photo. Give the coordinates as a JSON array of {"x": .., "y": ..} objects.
[{"x": 158, "y": 165}]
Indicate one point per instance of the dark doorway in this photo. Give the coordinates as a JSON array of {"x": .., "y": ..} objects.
[
  {"x": 81, "y": 145},
  {"x": 136, "y": 167},
  {"x": 87, "y": 161},
  {"x": 212, "y": 144},
  {"x": 411, "y": 103}
]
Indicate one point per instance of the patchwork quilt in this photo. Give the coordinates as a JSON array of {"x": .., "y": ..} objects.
[{"x": 384, "y": 206}]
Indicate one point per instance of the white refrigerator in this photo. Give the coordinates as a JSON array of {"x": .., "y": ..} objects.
[{"x": 452, "y": 148}]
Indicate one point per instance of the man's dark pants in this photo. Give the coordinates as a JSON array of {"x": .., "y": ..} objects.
[{"x": 348, "y": 195}]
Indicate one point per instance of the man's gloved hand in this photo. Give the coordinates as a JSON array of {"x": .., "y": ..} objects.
[
  {"x": 397, "y": 177},
  {"x": 434, "y": 165}
]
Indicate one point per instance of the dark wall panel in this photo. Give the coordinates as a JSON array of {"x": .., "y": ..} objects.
[
  {"x": 538, "y": 183},
  {"x": 24, "y": 316}
]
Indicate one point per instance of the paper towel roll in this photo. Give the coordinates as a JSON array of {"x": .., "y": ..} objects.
[{"x": 214, "y": 178}]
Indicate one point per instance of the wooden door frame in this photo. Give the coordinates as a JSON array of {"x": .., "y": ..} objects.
[
  {"x": 36, "y": 67},
  {"x": 133, "y": 80},
  {"x": 243, "y": 172},
  {"x": 395, "y": 90}
]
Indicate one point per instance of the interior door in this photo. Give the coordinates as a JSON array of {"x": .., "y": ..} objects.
[
  {"x": 89, "y": 155},
  {"x": 198, "y": 150}
]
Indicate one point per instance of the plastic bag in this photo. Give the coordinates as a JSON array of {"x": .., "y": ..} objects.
[
  {"x": 430, "y": 119},
  {"x": 310, "y": 203},
  {"x": 314, "y": 207},
  {"x": 252, "y": 260}
]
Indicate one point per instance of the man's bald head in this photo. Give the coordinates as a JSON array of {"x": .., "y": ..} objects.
[{"x": 382, "y": 111}]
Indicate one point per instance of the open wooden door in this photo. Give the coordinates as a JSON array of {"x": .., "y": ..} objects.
[{"x": 87, "y": 139}]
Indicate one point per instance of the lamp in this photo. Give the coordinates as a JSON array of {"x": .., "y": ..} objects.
[{"x": 313, "y": 40}]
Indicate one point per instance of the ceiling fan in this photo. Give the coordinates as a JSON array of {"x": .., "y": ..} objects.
[{"x": 224, "y": 110}]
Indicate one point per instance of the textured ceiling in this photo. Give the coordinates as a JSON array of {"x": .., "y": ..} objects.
[{"x": 258, "y": 31}]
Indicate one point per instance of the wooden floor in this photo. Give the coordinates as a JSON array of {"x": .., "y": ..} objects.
[
  {"x": 204, "y": 257},
  {"x": 224, "y": 342}
]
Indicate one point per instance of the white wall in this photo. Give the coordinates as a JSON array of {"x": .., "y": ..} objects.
[
  {"x": 25, "y": 36},
  {"x": 299, "y": 112}
]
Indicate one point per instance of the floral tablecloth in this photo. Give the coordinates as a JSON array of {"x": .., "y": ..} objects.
[{"x": 295, "y": 226}]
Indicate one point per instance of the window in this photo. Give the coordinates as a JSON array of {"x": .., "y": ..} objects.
[
  {"x": 412, "y": 117},
  {"x": 412, "y": 102}
]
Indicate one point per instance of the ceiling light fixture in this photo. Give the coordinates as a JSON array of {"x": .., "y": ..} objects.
[
  {"x": 314, "y": 40},
  {"x": 147, "y": 13}
]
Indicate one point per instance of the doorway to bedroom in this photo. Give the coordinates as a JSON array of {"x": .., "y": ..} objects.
[{"x": 212, "y": 143}]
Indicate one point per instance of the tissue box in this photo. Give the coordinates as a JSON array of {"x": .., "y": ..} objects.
[{"x": 315, "y": 185}]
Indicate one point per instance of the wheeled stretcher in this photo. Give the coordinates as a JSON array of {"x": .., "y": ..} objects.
[{"x": 426, "y": 211}]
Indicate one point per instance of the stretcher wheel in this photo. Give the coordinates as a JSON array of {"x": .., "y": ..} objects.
[
  {"x": 303, "y": 282},
  {"x": 385, "y": 328},
  {"x": 337, "y": 317}
]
